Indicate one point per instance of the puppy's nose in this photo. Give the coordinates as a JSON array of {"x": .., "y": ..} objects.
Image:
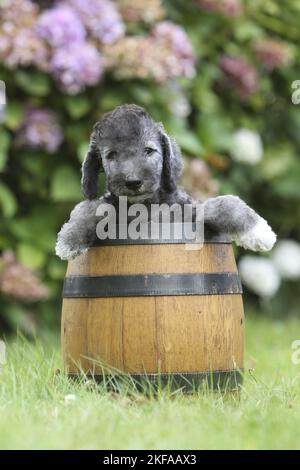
[{"x": 133, "y": 184}]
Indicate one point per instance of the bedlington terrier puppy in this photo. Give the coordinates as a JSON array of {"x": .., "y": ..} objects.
[{"x": 142, "y": 162}]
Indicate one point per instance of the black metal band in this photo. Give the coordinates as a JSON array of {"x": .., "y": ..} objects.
[
  {"x": 209, "y": 237},
  {"x": 151, "y": 284},
  {"x": 225, "y": 380}
]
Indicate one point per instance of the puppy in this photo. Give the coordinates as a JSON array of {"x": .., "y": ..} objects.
[{"x": 143, "y": 163}]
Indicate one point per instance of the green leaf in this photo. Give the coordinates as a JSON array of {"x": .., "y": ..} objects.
[
  {"x": 65, "y": 184},
  {"x": 77, "y": 106},
  {"x": 247, "y": 30},
  {"x": 287, "y": 185},
  {"x": 35, "y": 163},
  {"x": 19, "y": 318},
  {"x": 34, "y": 83},
  {"x": 142, "y": 95},
  {"x": 82, "y": 150},
  {"x": 14, "y": 115},
  {"x": 4, "y": 147},
  {"x": 214, "y": 131},
  {"x": 56, "y": 269},
  {"x": 31, "y": 256},
  {"x": 110, "y": 100},
  {"x": 277, "y": 161},
  {"x": 75, "y": 133},
  {"x": 38, "y": 228},
  {"x": 189, "y": 143},
  {"x": 8, "y": 201}
]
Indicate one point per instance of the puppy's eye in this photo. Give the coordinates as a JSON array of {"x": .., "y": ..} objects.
[
  {"x": 149, "y": 151},
  {"x": 111, "y": 155}
]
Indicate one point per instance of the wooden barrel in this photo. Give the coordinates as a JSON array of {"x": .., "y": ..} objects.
[{"x": 154, "y": 309}]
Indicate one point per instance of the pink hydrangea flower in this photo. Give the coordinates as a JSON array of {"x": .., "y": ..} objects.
[
  {"x": 179, "y": 44},
  {"x": 18, "y": 281},
  {"x": 239, "y": 75},
  {"x": 226, "y": 7},
  {"x": 273, "y": 53}
]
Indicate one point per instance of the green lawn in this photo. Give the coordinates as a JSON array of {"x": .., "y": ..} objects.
[{"x": 35, "y": 413}]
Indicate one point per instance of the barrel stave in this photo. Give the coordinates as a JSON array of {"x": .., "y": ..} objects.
[{"x": 166, "y": 334}]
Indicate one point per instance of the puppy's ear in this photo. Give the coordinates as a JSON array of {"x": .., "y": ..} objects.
[
  {"x": 172, "y": 163},
  {"x": 91, "y": 168}
]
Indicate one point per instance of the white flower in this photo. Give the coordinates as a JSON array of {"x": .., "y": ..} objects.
[
  {"x": 70, "y": 398},
  {"x": 246, "y": 146},
  {"x": 259, "y": 275},
  {"x": 286, "y": 257}
]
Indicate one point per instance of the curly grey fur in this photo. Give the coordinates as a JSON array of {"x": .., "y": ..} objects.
[{"x": 118, "y": 147}]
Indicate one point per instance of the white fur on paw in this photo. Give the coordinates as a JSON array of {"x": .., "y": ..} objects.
[
  {"x": 259, "y": 238},
  {"x": 66, "y": 253}
]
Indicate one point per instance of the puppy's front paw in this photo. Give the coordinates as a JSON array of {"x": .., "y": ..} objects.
[
  {"x": 66, "y": 252},
  {"x": 259, "y": 238}
]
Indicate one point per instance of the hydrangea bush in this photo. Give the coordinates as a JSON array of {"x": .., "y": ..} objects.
[{"x": 218, "y": 73}]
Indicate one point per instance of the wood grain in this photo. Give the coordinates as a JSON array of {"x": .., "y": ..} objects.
[
  {"x": 172, "y": 334},
  {"x": 147, "y": 259}
]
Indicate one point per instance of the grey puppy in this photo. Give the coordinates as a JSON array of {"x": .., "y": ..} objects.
[{"x": 142, "y": 162}]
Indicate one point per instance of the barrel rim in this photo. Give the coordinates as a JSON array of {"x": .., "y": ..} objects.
[{"x": 210, "y": 236}]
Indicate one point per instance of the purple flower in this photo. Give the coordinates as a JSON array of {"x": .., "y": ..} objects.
[
  {"x": 239, "y": 75},
  {"x": 273, "y": 53},
  {"x": 76, "y": 67},
  {"x": 19, "y": 44},
  {"x": 16, "y": 11},
  {"x": 101, "y": 18},
  {"x": 24, "y": 48},
  {"x": 40, "y": 130},
  {"x": 165, "y": 54},
  {"x": 176, "y": 39},
  {"x": 60, "y": 26},
  {"x": 226, "y": 7}
]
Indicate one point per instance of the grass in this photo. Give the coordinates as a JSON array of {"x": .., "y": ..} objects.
[{"x": 36, "y": 411}]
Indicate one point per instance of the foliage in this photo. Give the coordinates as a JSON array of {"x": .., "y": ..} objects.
[{"x": 246, "y": 60}]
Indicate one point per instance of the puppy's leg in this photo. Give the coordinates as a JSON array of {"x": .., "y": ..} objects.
[
  {"x": 231, "y": 215},
  {"x": 79, "y": 233}
]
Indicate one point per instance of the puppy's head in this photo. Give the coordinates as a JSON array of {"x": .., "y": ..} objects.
[{"x": 135, "y": 153}]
